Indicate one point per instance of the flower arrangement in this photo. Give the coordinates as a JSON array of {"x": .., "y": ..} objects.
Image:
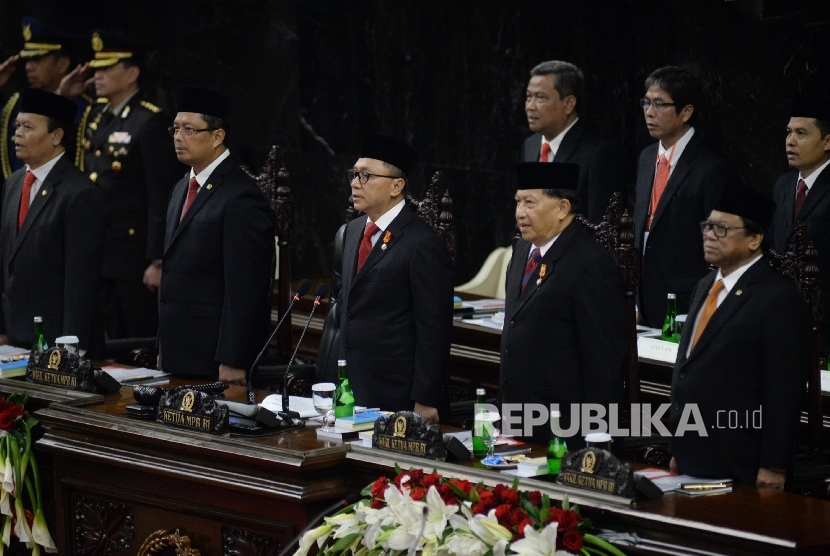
[
  {"x": 441, "y": 517},
  {"x": 20, "y": 479}
]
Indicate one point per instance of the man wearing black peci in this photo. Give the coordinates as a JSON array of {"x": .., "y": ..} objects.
[
  {"x": 214, "y": 298},
  {"x": 395, "y": 301}
]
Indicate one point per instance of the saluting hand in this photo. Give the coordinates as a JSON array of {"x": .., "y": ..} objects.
[
  {"x": 7, "y": 69},
  {"x": 76, "y": 81}
]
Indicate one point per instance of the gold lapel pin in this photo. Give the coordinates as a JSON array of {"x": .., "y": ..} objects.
[
  {"x": 43, "y": 193},
  {"x": 386, "y": 237},
  {"x": 739, "y": 292},
  {"x": 209, "y": 186}
]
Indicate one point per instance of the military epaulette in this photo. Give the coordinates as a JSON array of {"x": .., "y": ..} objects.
[
  {"x": 101, "y": 100},
  {"x": 150, "y": 106}
]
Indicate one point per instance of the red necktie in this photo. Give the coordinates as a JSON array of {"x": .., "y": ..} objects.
[
  {"x": 545, "y": 154},
  {"x": 800, "y": 197},
  {"x": 661, "y": 178},
  {"x": 192, "y": 189},
  {"x": 366, "y": 244},
  {"x": 531, "y": 265},
  {"x": 24, "y": 199},
  {"x": 708, "y": 310}
]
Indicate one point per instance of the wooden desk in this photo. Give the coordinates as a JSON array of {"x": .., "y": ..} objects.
[{"x": 119, "y": 479}]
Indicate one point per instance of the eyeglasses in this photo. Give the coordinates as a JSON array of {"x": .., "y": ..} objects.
[
  {"x": 363, "y": 176},
  {"x": 187, "y": 131},
  {"x": 720, "y": 229},
  {"x": 658, "y": 105}
]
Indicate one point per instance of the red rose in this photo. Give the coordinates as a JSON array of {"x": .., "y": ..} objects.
[
  {"x": 526, "y": 523},
  {"x": 479, "y": 508},
  {"x": 399, "y": 480},
  {"x": 379, "y": 487},
  {"x": 464, "y": 486},
  {"x": 503, "y": 514},
  {"x": 418, "y": 493},
  {"x": 8, "y": 416},
  {"x": 510, "y": 496},
  {"x": 568, "y": 520},
  {"x": 378, "y": 504},
  {"x": 415, "y": 476},
  {"x": 555, "y": 515},
  {"x": 572, "y": 541},
  {"x": 517, "y": 516},
  {"x": 431, "y": 480},
  {"x": 535, "y": 497}
]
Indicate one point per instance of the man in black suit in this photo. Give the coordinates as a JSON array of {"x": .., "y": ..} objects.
[
  {"x": 564, "y": 337},
  {"x": 128, "y": 156},
  {"x": 395, "y": 301},
  {"x": 743, "y": 359},
  {"x": 217, "y": 267},
  {"x": 803, "y": 193},
  {"x": 554, "y": 94},
  {"x": 48, "y": 55},
  {"x": 678, "y": 180},
  {"x": 51, "y": 230}
]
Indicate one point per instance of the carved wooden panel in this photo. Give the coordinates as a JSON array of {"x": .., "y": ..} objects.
[
  {"x": 236, "y": 542},
  {"x": 102, "y": 527}
]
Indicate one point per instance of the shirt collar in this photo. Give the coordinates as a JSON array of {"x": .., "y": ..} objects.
[
  {"x": 116, "y": 110},
  {"x": 544, "y": 248},
  {"x": 203, "y": 176},
  {"x": 811, "y": 179},
  {"x": 557, "y": 141},
  {"x": 679, "y": 147},
  {"x": 733, "y": 277},
  {"x": 383, "y": 222},
  {"x": 42, "y": 171}
]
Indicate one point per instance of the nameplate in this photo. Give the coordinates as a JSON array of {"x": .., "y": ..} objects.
[
  {"x": 597, "y": 470},
  {"x": 658, "y": 350},
  {"x": 59, "y": 367},
  {"x": 406, "y": 432},
  {"x": 194, "y": 410}
]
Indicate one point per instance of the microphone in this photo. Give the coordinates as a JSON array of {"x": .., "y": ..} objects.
[
  {"x": 342, "y": 503},
  {"x": 302, "y": 289},
  {"x": 414, "y": 546},
  {"x": 322, "y": 290}
]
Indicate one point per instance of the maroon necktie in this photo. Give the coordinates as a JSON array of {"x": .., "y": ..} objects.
[
  {"x": 545, "y": 154},
  {"x": 24, "y": 199},
  {"x": 366, "y": 244},
  {"x": 531, "y": 265},
  {"x": 192, "y": 189},
  {"x": 800, "y": 197}
]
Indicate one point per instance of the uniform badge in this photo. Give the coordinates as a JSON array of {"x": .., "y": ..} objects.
[
  {"x": 542, "y": 271},
  {"x": 116, "y": 165},
  {"x": 87, "y": 144},
  {"x": 125, "y": 112},
  {"x": 27, "y": 32},
  {"x": 97, "y": 42},
  {"x": 209, "y": 186},
  {"x": 386, "y": 237},
  {"x": 120, "y": 137},
  {"x": 93, "y": 177}
]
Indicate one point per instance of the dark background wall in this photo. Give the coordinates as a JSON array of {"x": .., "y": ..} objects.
[{"x": 449, "y": 77}]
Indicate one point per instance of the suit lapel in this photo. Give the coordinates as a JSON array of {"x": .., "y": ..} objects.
[
  {"x": 394, "y": 232},
  {"x": 569, "y": 143},
  {"x": 213, "y": 183},
  {"x": 351, "y": 246},
  {"x": 44, "y": 195},
  {"x": 532, "y": 154},
  {"x": 645, "y": 181},
  {"x": 681, "y": 170},
  {"x": 816, "y": 196}
]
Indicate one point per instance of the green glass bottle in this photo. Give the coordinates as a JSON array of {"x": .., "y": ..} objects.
[
  {"x": 39, "y": 343},
  {"x": 479, "y": 447},
  {"x": 556, "y": 447},
  {"x": 669, "y": 332},
  {"x": 343, "y": 395}
]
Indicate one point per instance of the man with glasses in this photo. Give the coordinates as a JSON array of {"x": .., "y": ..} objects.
[
  {"x": 678, "y": 180},
  {"x": 128, "y": 157},
  {"x": 395, "y": 300},
  {"x": 555, "y": 96},
  {"x": 217, "y": 266},
  {"x": 803, "y": 193},
  {"x": 744, "y": 355}
]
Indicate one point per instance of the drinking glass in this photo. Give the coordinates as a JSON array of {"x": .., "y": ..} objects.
[
  {"x": 322, "y": 395},
  {"x": 485, "y": 422}
]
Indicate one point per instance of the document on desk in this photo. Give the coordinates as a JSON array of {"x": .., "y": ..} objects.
[
  {"x": 131, "y": 376},
  {"x": 693, "y": 486},
  {"x": 11, "y": 350}
]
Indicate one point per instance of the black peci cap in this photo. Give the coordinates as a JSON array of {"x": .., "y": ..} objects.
[
  {"x": 204, "y": 101},
  {"x": 391, "y": 151},
  {"x": 35, "y": 101},
  {"x": 547, "y": 175},
  {"x": 808, "y": 106},
  {"x": 747, "y": 203}
]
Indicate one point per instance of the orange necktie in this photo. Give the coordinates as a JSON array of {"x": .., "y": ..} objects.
[
  {"x": 661, "y": 178},
  {"x": 24, "y": 199},
  {"x": 708, "y": 310},
  {"x": 544, "y": 156}
]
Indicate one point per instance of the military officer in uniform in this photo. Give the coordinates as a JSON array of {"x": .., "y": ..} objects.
[
  {"x": 128, "y": 155},
  {"x": 48, "y": 54}
]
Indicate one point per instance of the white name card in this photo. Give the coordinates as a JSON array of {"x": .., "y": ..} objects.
[
  {"x": 658, "y": 350},
  {"x": 825, "y": 381}
]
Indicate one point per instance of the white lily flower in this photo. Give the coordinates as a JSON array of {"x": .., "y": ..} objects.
[
  {"x": 8, "y": 476},
  {"x": 438, "y": 516},
  {"x": 21, "y": 526},
  {"x": 408, "y": 519},
  {"x": 311, "y": 537},
  {"x": 7, "y": 530},
  {"x": 346, "y": 525},
  {"x": 487, "y": 528},
  {"x": 538, "y": 544},
  {"x": 40, "y": 532},
  {"x": 5, "y": 503},
  {"x": 464, "y": 544}
]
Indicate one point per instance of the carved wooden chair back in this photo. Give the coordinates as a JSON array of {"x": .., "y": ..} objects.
[
  {"x": 800, "y": 265},
  {"x": 163, "y": 543},
  {"x": 616, "y": 234}
]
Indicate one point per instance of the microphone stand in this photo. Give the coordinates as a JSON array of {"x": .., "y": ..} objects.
[
  {"x": 322, "y": 289},
  {"x": 302, "y": 289}
]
